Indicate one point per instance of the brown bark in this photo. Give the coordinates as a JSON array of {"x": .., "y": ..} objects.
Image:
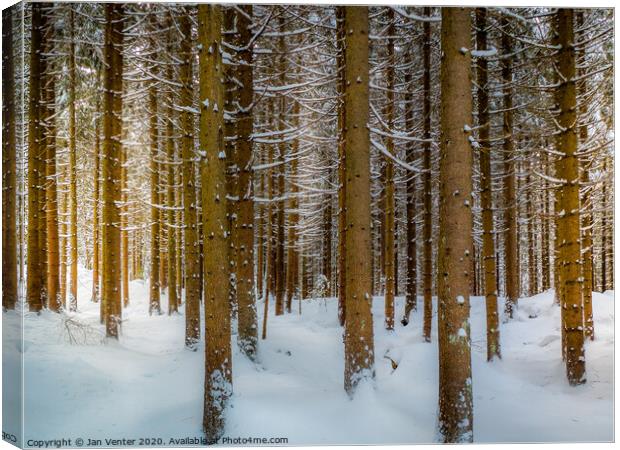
[
  {"x": 247, "y": 336},
  {"x": 155, "y": 279},
  {"x": 571, "y": 299},
  {"x": 124, "y": 212},
  {"x": 279, "y": 269},
  {"x": 9, "y": 167},
  {"x": 111, "y": 174},
  {"x": 486, "y": 194},
  {"x": 218, "y": 355},
  {"x": 342, "y": 224},
  {"x": 191, "y": 237},
  {"x": 411, "y": 294},
  {"x": 269, "y": 254},
  {"x": 455, "y": 230},
  {"x": 586, "y": 204},
  {"x": 428, "y": 201},
  {"x": 173, "y": 283},
  {"x": 73, "y": 253},
  {"x": 358, "y": 336},
  {"x": 231, "y": 92},
  {"x": 51, "y": 182},
  {"x": 511, "y": 260},
  {"x": 96, "y": 225},
  {"x": 388, "y": 198},
  {"x": 292, "y": 263}
]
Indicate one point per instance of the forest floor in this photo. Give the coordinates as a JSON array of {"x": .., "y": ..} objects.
[{"x": 148, "y": 386}]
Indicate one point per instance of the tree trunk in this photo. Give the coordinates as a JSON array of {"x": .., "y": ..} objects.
[
  {"x": 173, "y": 283},
  {"x": 191, "y": 238},
  {"x": 51, "y": 182},
  {"x": 586, "y": 204},
  {"x": 218, "y": 355},
  {"x": 388, "y": 198},
  {"x": 124, "y": 222},
  {"x": 96, "y": 225},
  {"x": 9, "y": 166},
  {"x": 427, "y": 180},
  {"x": 342, "y": 224},
  {"x": 154, "y": 305},
  {"x": 511, "y": 260},
  {"x": 455, "y": 230},
  {"x": 358, "y": 336},
  {"x": 246, "y": 293},
  {"x": 73, "y": 253},
  {"x": 280, "y": 272},
  {"x": 112, "y": 125},
  {"x": 571, "y": 299},
  {"x": 292, "y": 263},
  {"x": 486, "y": 193},
  {"x": 411, "y": 295}
]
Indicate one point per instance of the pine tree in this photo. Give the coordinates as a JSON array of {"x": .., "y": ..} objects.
[
  {"x": 96, "y": 209},
  {"x": 427, "y": 183},
  {"x": 511, "y": 260},
  {"x": 9, "y": 167},
  {"x": 51, "y": 174},
  {"x": 388, "y": 224},
  {"x": 111, "y": 170},
  {"x": 342, "y": 224},
  {"x": 246, "y": 300},
  {"x": 486, "y": 194},
  {"x": 191, "y": 235},
  {"x": 571, "y": 298},
  {"x": 155, "y": 275},
  {"x": 455, "y": 229},
  {"x": 411, "y": 298},
  {"x": 218, "y": 357},
  {"x": 358, "y": 335},
  {"x": 73, "y": 252},
  {"x": 173, "y": 283}
]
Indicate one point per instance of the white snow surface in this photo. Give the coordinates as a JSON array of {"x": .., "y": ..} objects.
[{"x": 148, "y": 385}]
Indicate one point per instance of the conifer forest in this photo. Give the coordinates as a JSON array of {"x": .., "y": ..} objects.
[{"x": 308, "y": 224}]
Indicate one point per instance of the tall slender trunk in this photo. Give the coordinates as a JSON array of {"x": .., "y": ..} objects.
[
  {"x": 155, "y": 280},
  {"x": 586, "y": 203},
  {"x": 292, "y": 264},
  {"x": 112, "y": 125},
  {"x": 531, "y": 238},
  {"x": 218, "y": 355},
  {"x": 358, "y": 335},
  {"x": 124, "y": 235},
  {"x": 96, "y": 225},
  {"x": 427, "y": 178},
  {"x": 260, "y": 238},
  {"x": 342, "y": 224},
  {"x": 191, "y": 237},
  {"x": 280, "y": 273},
  {"x": 411, "y": 295},
  {"x": 269, "y": 249},
  {"x": 511, "y": 242},
  {"x": 231, "y": 92},
  {"x": 571, "y": 298},
  {"x": 64, "y": 206},
  {"x": 9, "y": 166},
  {"x": 486, "y": 194},
  {"x": 51, "y": 182},
  {"x": 73, "y": 253},
  {"x": 247, "y": 337},
  {"x": 388, "y": 197},
  {"x": 327, "y": 237},
  {"x": 173, "y": 282},
  {"x": 455, "y": 230}
]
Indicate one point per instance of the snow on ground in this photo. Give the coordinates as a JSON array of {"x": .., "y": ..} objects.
[{"x": 147, "y": 385}]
